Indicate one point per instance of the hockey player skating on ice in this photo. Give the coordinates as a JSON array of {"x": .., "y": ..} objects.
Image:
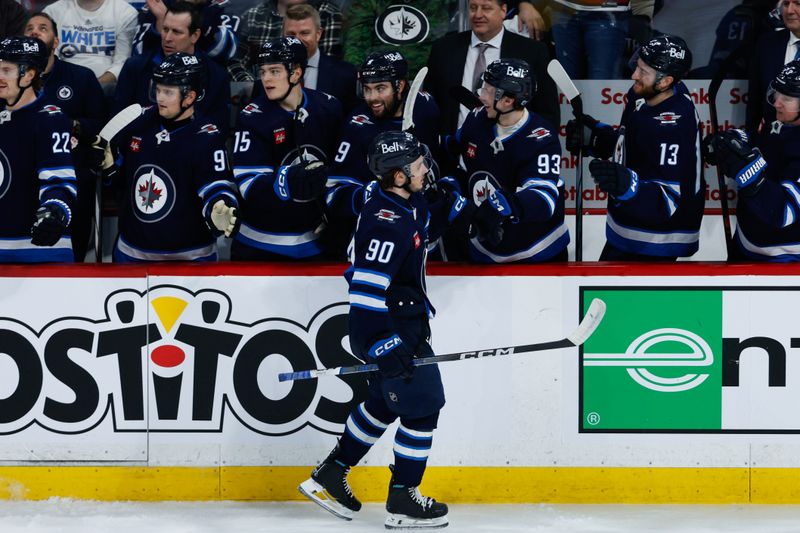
[
  {"x": 178, "y": 191},
  {"x": 389, "y": 312},
  {"x": 513, "y": 164},
  {"x": 37, "y": 177},
  {"x": 283, "y": 189},
  {"x": 768, "y": 206},
  {"x": 383, "y": 85},
  {"x": 655, "y": 181}
]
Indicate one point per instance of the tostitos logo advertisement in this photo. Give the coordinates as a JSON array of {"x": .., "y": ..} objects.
[
  {"x": 169, "y": 359},
  {"x": 692, "y": 359}
]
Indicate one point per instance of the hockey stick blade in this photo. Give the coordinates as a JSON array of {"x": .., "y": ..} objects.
[
  {"x": 408, "y": 111},
  {"x": 465, "y": 97},
  {"x": 591, "y": 320},
  {"x": 562, "y": 79},
  {"x": 120, "y": 120}
]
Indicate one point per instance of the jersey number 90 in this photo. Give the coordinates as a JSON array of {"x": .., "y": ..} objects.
[{"x": 382, "y": 251}]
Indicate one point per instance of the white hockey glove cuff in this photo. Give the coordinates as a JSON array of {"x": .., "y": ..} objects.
[{"x": 223, "y": 217}]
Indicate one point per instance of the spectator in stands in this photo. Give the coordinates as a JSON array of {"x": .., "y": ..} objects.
[
  {"x": 264, "y": 22},
  {"x": 77, "y": 92},
  {"x": 460, "y": 59},
  {"x": 12, "y": 18},
  {"x": 772, "y": 52},
  {"x": 96, "y": 34},
  {"x": 404, "y": 25},
  {"x": 217, "y": 37},
  {"x": 323, "y": 72},
  {"x": 590, "y": 35},
  {"x": 180, "y": 33}
]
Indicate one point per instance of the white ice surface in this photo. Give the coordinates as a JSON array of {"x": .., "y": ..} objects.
[{"x": 73, "y": 516}]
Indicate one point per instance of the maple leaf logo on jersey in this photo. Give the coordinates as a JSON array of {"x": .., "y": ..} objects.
[
  {"x": 667, "y": 117},
  {"x": 386, "y": 215},
  {"x": 361, "y": 119},
  {"x": 280, "y": 135},
  {"x": 50, "y": 109},
  {"x": 209, "y": 128},
  {"x": 539, "y": 134},
  {"x": 135, "y": 144},
  {"x": 149, "y": 193},
  {"x": 472, "y": 150},
  {"x": 249, "y": 109}
]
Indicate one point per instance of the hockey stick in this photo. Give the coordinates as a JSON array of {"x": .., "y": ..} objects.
[
  {"x": 713, "y": 89},
  {"x": 408, "y": 110},
  {"x": 585, "y": 329},
  {"x": 465, "y": 97},
  {"x": 566, "y": 86},
  {"x": 109, "y": 131}
]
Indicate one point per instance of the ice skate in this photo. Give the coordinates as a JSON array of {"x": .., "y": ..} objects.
[
  {"x": 328, "y": 488},
  {"x": 409, "y": 509}
]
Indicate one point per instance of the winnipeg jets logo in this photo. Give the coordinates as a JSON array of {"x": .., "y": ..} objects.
[
  {"x": 209, "y": 129},
  {"x": 387, "y": 215},
  {"x": 667, "y": 117},
  {"x": 249, "y": 109},
  {"x": 153, "y": 193},
  {"x": 539, "y": 134},
  {"x": 64, "y": 92},
  {"x": 50, "y": 110},
  {"x": 402, "y": 25},
  {"x": 483, "y": 185},
  {"x": 308, "y": 153},
  {"x": 360, "y": 119}
]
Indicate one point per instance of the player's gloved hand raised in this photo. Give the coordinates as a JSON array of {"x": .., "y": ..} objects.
[
  {"x": 461, "y": 213},
  {"x": 393, "y": 356},
  {"x": 580, "y": 138},
  {"x": 100, "y": 157},
  {"x": 620, "y": 182},
  {"x": 487, "y": 224},
  {"x": 223, "y": 217},
  {"x": 51, "y": 221},
  {"x": 731, "y": 151},
  {"x": 301, "y": 182}
]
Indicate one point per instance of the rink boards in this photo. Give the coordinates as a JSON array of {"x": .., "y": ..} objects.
[{"x": 160, "y": 383}]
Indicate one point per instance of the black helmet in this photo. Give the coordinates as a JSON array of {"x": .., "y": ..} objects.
[
  {"x": 668, "y": 54},
  {"x": 25, "y": 51},
  {"x": 788, "y": 80},
  {"x": 287, "y": 50},
  {"x": 182, "y": 70},
  {"x": 511, "y": 77},
  {"x": 382, "y": 66},
  {"x": 392, "y": 150}
]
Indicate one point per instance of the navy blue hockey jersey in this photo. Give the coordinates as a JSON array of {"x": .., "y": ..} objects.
[
  {"x": 265, "y": 140},
  {"x": 217, "y": 32},
  {"x": 662, "y": 145},
  {"x": 35, "y": 168},
  {"x": 172, "y": 180},
  {"x": 388, "y": 253},
  {"x": 525, "y": 163},
  {"x": 768, "y": 222},
  {"x": 75, "y": 89}
]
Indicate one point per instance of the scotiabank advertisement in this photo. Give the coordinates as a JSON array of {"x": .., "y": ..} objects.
[{"x": 605, "y": 100}]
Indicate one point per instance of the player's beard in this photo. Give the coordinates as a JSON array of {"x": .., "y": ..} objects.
[
  {"x": 388, "y": 107},
  {"x": 644, "y": 91}
]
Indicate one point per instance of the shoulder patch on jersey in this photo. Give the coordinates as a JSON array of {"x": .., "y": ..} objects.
[
  {"x": 64, "y": 92},
  {"x": 280, "y": 135},
  {"x": 417, "y": 240},
  {"x": 387, "y": 215},
  {"x": 136, "y": 144},
  {"x": 539, "y": 134},
  {"x": 51, "y": 109},
  {"x": 360, "y": 120},
  {"x": 667, "y": 117},
  {"x": 209, "y": 129},
  {"x": 249, "y": 109},
  {"x": 472, "y": 150}
]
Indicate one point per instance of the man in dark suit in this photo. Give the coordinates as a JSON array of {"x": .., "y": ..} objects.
[
  {"x": 773, "y": 51},
  {"x": 324, "y": 72},
  {"x": 460, "y": 59}
]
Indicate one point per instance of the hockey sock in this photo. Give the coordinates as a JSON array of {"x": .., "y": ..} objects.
[
  {"x": 411, "y": 449},
  {"x": 362, "y": 430}
]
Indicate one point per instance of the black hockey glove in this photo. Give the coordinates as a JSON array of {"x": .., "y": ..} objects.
[
  {"x": 301, "y": 182},
  {"x": 461, "y": 213},
  {"x": 594, "y": 138},
  {"x": 620, "y": 182},
  {"x": 393, "y": 356},
  {"x": 100, "y": 157},
  {"x": 487, "y": 224},
  {"x": 51, "y": 221},
  {"x": 731, "y": 151}
]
